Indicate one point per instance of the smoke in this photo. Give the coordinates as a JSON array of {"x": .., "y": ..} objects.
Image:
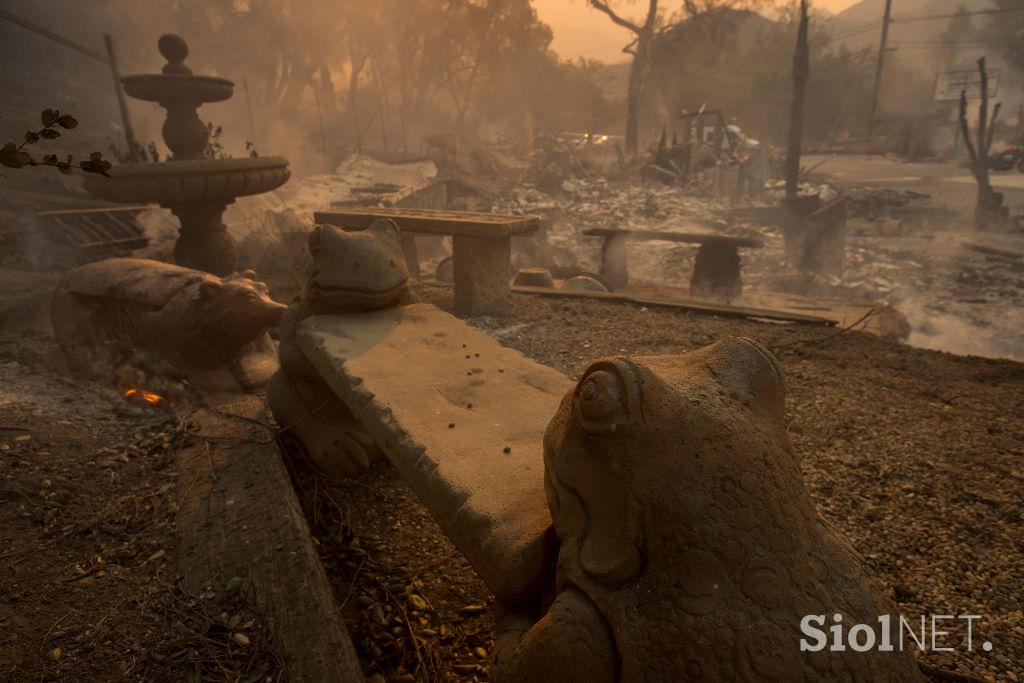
[{"x": 993, "y": 333}]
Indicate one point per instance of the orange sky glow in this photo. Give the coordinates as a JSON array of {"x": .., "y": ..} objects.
[{"x": 582, "y": 31}]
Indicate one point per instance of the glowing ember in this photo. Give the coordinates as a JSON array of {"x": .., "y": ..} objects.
[{"x": 149, "y": 397}]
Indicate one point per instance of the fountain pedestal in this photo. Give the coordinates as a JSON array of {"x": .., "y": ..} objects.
[
  {"x": 204, "y": 242},
  {"x": 196, "y": 189}
]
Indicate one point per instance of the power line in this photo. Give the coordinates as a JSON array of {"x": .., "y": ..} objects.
[
  {"x": 950, "y": 43},
  {"x": 843, "y": 59},
  {"x": 92, "y": 54},
  {"x": 847, "y": 34},
  {"x": 946, "y": 46},
  {"x": 957, "y": 14}
]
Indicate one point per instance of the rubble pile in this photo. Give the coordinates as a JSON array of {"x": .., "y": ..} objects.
[
  {"x": 598, "y": 202},
  {"x": 871, "y": 202},
  {"x": 950, "y": 294}
]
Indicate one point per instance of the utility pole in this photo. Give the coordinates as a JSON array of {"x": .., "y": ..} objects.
[
  {"x": 878, "y": 69},
  {"x": 129, "y": 133},
  {"x": 801, "y": 72},
  {"x": 252, "y": 120}
]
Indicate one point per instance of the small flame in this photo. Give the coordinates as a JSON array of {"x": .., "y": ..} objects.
[{"x": 148, "y": 397}]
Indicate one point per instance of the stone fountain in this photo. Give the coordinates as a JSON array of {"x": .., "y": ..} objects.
[{"x": 195, "y": 188}]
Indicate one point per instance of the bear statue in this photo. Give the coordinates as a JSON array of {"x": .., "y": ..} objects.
[{"x": 107, "y": 312}]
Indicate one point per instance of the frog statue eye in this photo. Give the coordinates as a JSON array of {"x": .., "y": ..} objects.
[{"x": 607, "y": 396}]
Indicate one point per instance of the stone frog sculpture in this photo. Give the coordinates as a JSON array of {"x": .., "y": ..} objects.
[
  {"x": 689, "y": 547},
  {"x": 106, "y": 312},
  {"x": 352, "y": 271}
]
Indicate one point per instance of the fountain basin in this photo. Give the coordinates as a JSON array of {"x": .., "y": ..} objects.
[
  {"x": 169, "y": 88},
  {"x": 188, "y": 182}
]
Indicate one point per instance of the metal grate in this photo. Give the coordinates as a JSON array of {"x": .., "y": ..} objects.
[{"x": 95, "y": 233}]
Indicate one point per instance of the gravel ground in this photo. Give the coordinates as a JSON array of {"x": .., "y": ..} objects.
[{"x": 913, "y": 455}]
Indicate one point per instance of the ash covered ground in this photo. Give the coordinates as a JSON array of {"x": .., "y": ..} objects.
[{"x": 914, "y": 455}]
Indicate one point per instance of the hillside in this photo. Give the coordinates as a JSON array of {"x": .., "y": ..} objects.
[{"x": 868, "y": 13}]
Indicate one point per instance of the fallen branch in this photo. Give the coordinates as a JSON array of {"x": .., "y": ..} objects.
[{"x": 862, "y": 321}]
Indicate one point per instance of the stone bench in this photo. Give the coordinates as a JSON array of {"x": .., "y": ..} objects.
[
  {"x": 461, "y": 418},
  {"x": 716, "y": 269},
  {"x": 481, "y": 246},
  {"x": 687, "y": 545}
]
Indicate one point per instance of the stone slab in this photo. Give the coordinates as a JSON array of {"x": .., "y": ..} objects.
[
  {"x": 433, "y": 222},
  {"x": 462, "y": 419}
]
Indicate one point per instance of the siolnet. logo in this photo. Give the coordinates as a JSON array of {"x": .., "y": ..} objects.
[{"x": 935, "y": 633}]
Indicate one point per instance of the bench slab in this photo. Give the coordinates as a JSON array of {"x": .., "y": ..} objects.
[
  {"x": 433, "y": 221},
  {"x": 461, "y": 418}
]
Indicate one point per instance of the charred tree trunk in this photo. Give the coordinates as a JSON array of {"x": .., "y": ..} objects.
[
  {"x": 357, "y": 62},
  {"x": 640, "y": 49},
  {"x": 327, "y": 94},
  {"x": 989, "y": 210},
  {"x": 801, "y": 72},
  {"x": 634, "y": 95}
]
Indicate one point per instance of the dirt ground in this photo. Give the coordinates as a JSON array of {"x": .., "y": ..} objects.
[{"x": 914, "y": 455}]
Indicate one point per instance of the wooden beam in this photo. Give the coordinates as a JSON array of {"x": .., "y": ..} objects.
[
  {"x": 682, "y": 304},
  {"x": 238, "y": 516},
  {"x": 669, "y": 236}
]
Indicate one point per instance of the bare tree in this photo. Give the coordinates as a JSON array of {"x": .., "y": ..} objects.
[
  {"x": 640, "y": 48},
  {"x": 989, "y": 210}
]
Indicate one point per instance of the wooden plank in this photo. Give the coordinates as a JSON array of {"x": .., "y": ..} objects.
[
  {"x": 668, "y": 235},
  {"x": 682, "y": 304},
  {"x": 238, "y": 516},
  {"x": 462, "y": 419},
  {"x": 102, "y": 209},
  {"x": 433, "y": 222}
]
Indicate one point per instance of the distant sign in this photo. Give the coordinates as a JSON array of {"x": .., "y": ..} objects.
[{"x": 950, "y": 84}]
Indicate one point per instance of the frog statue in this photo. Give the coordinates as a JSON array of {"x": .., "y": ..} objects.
[
  {"x": 352, "y": 271},
  {"x": 688, "y": 547}
]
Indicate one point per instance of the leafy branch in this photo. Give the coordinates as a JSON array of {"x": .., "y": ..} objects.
[{"x": 16, "y": 156}]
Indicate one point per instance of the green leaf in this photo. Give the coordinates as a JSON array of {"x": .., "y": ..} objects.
[
  {"x": 67, "y": 121},
  {"x": 96, "y": 164},
  {"x": 31, "y": 136},
  {"x": 49, "y": 133},
  {"x": 12, "y": 157},
  {"x": 49, "y": 117}
]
